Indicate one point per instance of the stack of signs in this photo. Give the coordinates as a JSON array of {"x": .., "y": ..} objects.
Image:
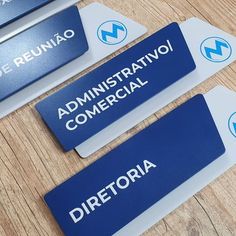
[
  {"x": 148, "y": 176},
  {"x": 151, "y": 174}
]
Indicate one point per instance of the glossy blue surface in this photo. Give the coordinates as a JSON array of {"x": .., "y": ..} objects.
[
  {"x": 11, "y": 10},
  {"x": 25, "y": 58}
]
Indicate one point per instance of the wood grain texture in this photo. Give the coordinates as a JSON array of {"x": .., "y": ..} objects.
[{"x": 32, "y": 162}]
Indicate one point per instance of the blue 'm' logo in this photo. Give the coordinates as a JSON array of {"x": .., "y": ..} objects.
[
  {"x": 232, "y": 124},
  {"x": 216, "y": 49},
  {"x": 112, "y": 32}
]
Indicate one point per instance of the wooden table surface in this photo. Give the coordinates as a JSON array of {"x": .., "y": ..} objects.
[{"x": 32, "y": 162}]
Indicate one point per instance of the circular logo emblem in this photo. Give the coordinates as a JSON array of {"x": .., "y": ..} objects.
[
  {"x": 112, "y": 32},
  {"x": 232, "y": 124},
  {"x": 216, "y": 49}
]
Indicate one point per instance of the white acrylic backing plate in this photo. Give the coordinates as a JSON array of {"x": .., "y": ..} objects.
[
  {"x": 195, "y": 32},
  {"x": 221, "y": 103},
  {"x": 92, "y": 17},
  {"x": 35, "y": 17}
]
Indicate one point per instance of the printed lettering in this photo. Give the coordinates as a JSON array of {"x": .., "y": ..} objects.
[
  {"x": 75, "y": 106},
  {"x": 112, "y": 190}
]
